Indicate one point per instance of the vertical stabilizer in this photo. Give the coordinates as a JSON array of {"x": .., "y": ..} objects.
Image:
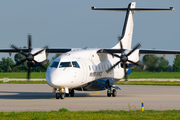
[
  {"x": 126, "y": 36},
  {"x": 127, "y": 32}
]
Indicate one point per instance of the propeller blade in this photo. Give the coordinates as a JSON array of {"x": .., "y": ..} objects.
[
  {"x": 18, "y": 63},
  {"x": 16, "y": 48},
  {"x": 122, "y": 53},
  {"x": 137, "y": 46},
  {"x": 29, "y": 72},
  {"x": 113, "y": 67},
  {"x": 124, "y": 66},
  {"x": 40, "y": 64},
  {"x": 116, "y": 55},
  {"x": 119, "y": 38},
  {"x": 139, "y": 64},
  {"x": 40, "y": 51},
  {"x": 29, "y": 43}
]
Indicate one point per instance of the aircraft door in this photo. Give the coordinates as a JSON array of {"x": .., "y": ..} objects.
[{"x": 84, "y": 69}]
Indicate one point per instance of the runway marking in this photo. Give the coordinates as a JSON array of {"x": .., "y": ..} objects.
[{"x": 96, "y": 93}]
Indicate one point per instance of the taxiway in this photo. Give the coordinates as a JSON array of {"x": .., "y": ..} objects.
[{"x": 39, "y": 97}]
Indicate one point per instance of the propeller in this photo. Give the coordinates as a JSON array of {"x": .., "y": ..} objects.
[
  {"x": 29, "y": 57},
  {"x": 124, "y": 59}
]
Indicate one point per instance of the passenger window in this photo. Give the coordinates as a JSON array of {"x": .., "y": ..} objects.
[
  {"x": 54, "y": 64},
  {"x": 75, "y": 64},
  {"x": 102, "y": 67},
  {"x": 89, "y": 68}
]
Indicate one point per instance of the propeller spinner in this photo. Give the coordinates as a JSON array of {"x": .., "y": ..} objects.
[{"x": 29, "y": 56}]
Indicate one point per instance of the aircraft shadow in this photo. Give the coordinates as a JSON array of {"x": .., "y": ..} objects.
[{"x": 38, "y": 95}]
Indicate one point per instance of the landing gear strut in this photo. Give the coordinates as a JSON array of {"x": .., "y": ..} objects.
[{"x": 72, "y": 93}]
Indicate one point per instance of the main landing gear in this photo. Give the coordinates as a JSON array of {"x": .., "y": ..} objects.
[
  {"x": 111, "y": 92},
  {"x": 60, "y": 93}
]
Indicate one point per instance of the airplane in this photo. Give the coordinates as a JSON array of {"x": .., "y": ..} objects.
[{"x": 90, "y": 69}]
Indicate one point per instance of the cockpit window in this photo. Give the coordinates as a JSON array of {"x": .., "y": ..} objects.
[
  {"x": 75, "y": 64},
  {"x": 65, "y": 64},
  {"x": 54, "y": 64}
]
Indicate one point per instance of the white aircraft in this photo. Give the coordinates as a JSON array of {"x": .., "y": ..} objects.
[{"x": 90, "y": 69}]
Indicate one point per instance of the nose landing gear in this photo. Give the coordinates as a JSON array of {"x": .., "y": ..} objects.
[{"x": 60, "y": 93}]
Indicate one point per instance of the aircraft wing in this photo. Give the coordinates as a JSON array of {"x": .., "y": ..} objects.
[
  {"x": 49, "y": 50},
  {"x": 110, "y": 51},
  {"x": 142, "y": 51},
  {"x": 57, "y": 50},
  {"x": 12, "y": 50},
  {"x": 167, "y": 52}
]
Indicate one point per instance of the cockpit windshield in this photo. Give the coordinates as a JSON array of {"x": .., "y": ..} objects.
[
  {"x": 54, "y": 64},
  {"x": 65, "y": 64},
  {"x": 69, "y": 64},
  {"x": 75, "y": 64}
]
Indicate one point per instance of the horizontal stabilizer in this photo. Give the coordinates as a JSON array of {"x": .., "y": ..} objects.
[{"x": 135, "y": 9}]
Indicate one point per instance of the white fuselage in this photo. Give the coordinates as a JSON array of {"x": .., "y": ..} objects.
[{"x": 91, "y": 66}]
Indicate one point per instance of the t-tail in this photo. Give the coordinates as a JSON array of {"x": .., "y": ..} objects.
[{"x": 127, "y": 32}]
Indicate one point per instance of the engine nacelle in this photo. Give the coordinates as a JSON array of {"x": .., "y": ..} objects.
[
  {"x": 39, "y": 57},
  {"x": 134, "y": 56}
]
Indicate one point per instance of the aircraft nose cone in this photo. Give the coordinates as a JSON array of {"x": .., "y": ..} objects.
[{"x": 51, "y": 76}]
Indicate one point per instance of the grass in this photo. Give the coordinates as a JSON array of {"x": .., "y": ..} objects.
[
  {"x": 23, "y": 75},
  {"x": 170, "y": 83},
  {"x": 147, "y": 75},
  {"x": 133, "y": 75},
  {"x": 64, "y": 114},
  {"x": 25, "y": 82}
]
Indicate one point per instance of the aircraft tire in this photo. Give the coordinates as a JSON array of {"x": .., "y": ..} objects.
[
  {"x": 62, "y": 95},
  {"x": 109, "y": 94},
  {"x": 67, "y": 94},
  {"x": 57, "y": 95},
  {"x": 114, "y": 93}
]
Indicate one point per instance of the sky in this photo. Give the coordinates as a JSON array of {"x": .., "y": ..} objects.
[{"x": 72, "y": 24}]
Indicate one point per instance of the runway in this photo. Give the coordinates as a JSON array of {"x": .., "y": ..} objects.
[{"x": 39, "y": 97}]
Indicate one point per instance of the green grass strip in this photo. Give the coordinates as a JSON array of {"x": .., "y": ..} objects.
[
  {"x": 23, "y": 75},
  {"x": 64, "y": 114},
  {"x": 170, "y": 83},
  {"x": 133, "y": 75},
  {"x": 147, "y": 75},
  {"x": 25, "y": 82}
]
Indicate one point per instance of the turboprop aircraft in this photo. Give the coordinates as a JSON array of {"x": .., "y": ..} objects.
[{"x": 90, "y": 69}]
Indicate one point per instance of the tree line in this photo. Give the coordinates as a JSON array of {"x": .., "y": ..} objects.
[
  {"x": 153, "y": 63},
  {"x": 159, "y": 64}
]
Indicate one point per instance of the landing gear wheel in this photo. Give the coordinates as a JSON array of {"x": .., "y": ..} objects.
[
  {"x": 62, "y": 95},
  {"x": 57, "y": 95},
  {"x": 114, "y": 93},
  {"x": 67, "y": 94},
  {"x": 109, "y": 94},
  {"x": 72, "y": 93}
]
